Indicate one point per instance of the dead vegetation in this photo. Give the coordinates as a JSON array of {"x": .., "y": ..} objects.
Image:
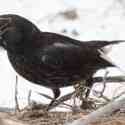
[
  {"x": 38, "y": 117},
  {"x": 34, "y": 113}
]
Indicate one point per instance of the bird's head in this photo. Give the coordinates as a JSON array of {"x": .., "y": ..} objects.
[{"x": 15, "y": 31}]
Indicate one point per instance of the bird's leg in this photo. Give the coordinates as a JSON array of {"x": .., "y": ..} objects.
[
  {"x": 89, "y": 84},
  {"x": 56, "y": 92},
  {"x": 86, "y": 104}
]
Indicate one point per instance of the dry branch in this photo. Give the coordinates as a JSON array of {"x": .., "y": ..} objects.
[
  {"x": 7, "y": 121},
  {"x": 104, "y": 83},
  {"x": 29, "y": 97},
  {"x": 16, "y": 95},
  {"x": 60, "y": 100},
  {"x": 110, "y": 79},
  {"x": 105, "y": 111}
]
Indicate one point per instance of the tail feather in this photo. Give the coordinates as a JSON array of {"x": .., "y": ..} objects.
[
  {"x": 105, "y": 57},
  {"x": 98, "y": 44}
]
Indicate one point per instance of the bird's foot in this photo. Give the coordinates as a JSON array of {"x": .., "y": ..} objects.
[{"x": 49, "y": 106}]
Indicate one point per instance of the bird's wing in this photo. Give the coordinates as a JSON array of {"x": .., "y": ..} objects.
[
  {"x": 63, "y": 60},
  {"x": 61, "y": 64},
  {"x": 59, "y": 51},
  {"x": 57, "y": 56},
  {"x": 72, "y": 59}
]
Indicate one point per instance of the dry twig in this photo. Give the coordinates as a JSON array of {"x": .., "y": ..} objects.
[
  {"x": 96, "y": 79},
  {"x": 16, "y": 95},
  {"x": 104, "y": 111},
  {"x": 29, "y": 97},
  {"x": 110, "y": 79},
  {"x": 59, "y": 101}
]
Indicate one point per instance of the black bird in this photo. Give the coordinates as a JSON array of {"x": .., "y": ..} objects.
[{"x": 49, "y": 59}]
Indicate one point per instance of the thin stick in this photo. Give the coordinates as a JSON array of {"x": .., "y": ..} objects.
[
  {"x": 29, "y": 97},
  {"x": 104, "y": 82},
  {"x": 104, "y": 111},
  {"x": 109, "y": 79},
  {"x": 112, "y": 79},
  {"x": 104, "y": 86},
  {"x": 16, "y": 95},
  {"x": 59, "y": 101}
]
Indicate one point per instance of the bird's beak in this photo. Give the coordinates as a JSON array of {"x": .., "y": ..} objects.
[{"x": 4, "y": 22}]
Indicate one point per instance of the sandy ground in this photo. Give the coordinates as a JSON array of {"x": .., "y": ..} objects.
[{"x": 54, "y": 118}]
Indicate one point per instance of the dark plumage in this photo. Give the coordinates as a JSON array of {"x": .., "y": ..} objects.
[{"x": 50, "y": 59}]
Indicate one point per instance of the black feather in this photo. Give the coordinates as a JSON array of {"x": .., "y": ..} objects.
[{"x": 50, "y": 59}]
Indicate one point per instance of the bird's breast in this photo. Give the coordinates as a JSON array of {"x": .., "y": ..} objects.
[
  {"x": 42, "y": 75},
  {"x": 37, "y": 74}
]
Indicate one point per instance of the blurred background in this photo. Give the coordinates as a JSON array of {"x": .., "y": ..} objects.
[{"x": 79, "y": 19}]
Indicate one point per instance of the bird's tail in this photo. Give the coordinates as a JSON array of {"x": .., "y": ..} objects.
[
  {"x": 116, "y": 41},
  {"x": 101, "y": 45},
  {"x": 98, "y": 44},
  {"x": 106, "y": 58}
]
